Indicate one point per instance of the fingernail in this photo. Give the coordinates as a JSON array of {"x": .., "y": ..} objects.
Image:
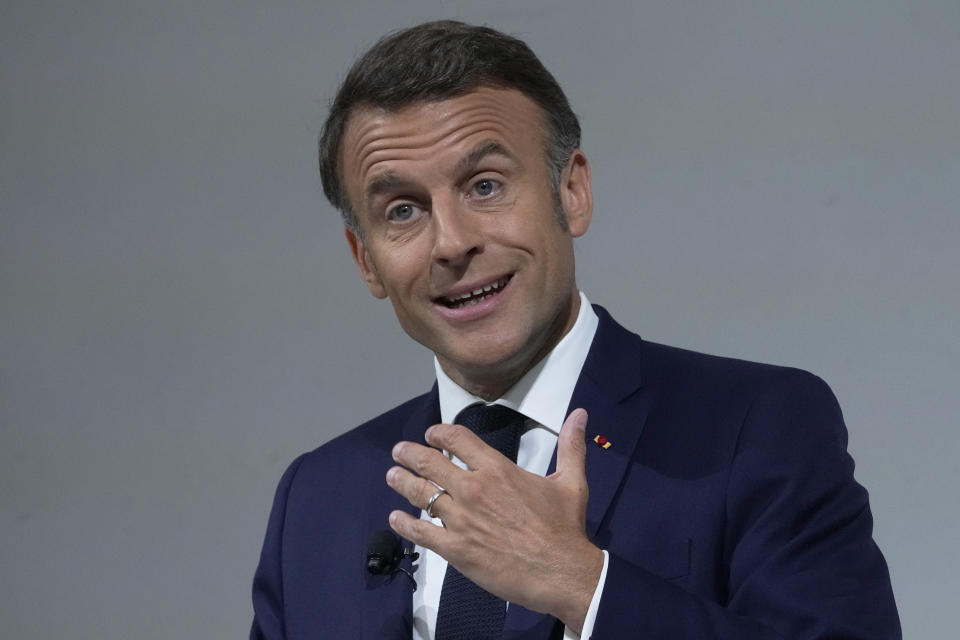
[{"x": 396, "y": 451}]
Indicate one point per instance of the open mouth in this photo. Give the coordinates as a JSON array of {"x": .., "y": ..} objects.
[{"x": 477, "y": 295}]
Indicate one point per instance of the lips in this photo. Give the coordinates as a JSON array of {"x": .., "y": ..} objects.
[{"x": 475, "y": 296}]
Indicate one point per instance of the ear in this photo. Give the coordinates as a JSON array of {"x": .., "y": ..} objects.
[
  {"x": 365, "y": 263},
  {"x": 576, "y": 195}
]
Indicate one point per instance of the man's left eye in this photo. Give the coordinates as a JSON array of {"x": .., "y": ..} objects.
[{"x": 485, "y": 187}]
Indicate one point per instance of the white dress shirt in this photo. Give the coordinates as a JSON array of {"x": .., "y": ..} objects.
[{"x": 542, "y": 396}]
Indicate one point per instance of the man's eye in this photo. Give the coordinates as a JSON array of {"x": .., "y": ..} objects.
[
  {"x": 486, "y": 187},
  {"x": 402, "y": 212}
]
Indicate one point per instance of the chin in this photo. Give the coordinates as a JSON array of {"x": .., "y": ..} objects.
[{"x": 489, "y": 362}]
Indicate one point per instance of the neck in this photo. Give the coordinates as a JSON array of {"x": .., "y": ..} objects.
[{"x": 488, "y": 388}]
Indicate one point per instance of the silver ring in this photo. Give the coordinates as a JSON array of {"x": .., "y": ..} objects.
[{"x": 433, "y": 499}]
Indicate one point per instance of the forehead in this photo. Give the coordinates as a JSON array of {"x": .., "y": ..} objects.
[{"x": 375, "y": 137}]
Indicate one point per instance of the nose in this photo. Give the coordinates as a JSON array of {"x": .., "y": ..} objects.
[{"x": 456, "y": 238}]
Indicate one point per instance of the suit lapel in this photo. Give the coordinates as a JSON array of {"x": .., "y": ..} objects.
[
  {"x": 388, "y": 610},
  {"x": 611, "y": 389}
]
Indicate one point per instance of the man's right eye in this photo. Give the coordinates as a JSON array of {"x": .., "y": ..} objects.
[{"x": 402, "y": 212}]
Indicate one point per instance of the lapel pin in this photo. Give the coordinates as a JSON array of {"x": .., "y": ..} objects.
[{"x": 602, "y": 441}]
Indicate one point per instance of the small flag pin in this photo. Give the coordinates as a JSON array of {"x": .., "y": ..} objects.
[{"x": 602, "y": 441}]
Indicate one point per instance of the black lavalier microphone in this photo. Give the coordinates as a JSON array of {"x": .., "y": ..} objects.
[{"x": 384, "y": 553}]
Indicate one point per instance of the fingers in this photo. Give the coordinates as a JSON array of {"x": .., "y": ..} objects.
[
  {"x": 418, "y": 491},
  {"x": 572, "y": 446},
  {"x": 425, "y": 462},
  {"x": 427, "y": 468},
  {"x": 458, "y": 440},
  {"x": 462, "y": 443},
  {"x": 417, "y": 531}
]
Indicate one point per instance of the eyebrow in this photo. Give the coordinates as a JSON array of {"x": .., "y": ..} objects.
[
  {"x": 383, "y": 183},
  {"x": 483, "y": 149},
  {"x": 390, "y": 181}
]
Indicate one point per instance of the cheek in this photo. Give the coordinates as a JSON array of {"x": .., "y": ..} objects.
[
  {"x": 529, "y": 229},
  {"x": 405, "y": 277}
]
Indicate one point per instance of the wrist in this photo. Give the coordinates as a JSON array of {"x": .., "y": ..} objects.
[{"x": 577, "y": 592}]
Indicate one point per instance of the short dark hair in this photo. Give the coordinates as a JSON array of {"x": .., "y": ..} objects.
[{"x": 435, "y": 61}]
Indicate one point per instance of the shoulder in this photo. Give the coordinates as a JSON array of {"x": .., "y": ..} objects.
[
  {"x": 684, "y": 369},
  {"x": 693, "y": 375},
  {"x": 716, "y": 401},
  {"x": 727, "y": 404}
]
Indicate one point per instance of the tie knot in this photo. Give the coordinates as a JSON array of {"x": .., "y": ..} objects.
[{"x": 497, "y": 425}]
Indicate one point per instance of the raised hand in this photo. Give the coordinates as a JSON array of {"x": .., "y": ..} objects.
[{"x": 518, "y": 535}]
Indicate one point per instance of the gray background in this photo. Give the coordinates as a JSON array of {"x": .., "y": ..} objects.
[{"x": 180, "y": 316}]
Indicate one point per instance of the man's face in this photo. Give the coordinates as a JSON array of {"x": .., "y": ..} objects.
[{"x": 460, "y": 229}]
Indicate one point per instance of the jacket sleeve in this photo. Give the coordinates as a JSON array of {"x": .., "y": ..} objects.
[
  {"x": 268, "y": 619},
  {"x": 800, "y": 560}
]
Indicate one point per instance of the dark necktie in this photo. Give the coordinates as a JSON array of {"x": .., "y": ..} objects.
[{"x": 466, "y": 611}]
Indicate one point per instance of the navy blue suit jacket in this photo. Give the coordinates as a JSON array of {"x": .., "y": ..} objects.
[{"x": 726, "y": 501}]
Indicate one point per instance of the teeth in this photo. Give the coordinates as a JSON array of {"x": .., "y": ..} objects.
[{"x": 471, "y": 298}]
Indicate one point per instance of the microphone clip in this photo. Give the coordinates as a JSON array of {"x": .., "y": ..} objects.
[{"x": 385, "y": 552}]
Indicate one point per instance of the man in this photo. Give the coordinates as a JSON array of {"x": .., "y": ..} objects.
[{"x": 643, "y": 491}]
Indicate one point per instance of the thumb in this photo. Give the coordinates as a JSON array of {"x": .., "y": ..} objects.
[{"x": 572, "y": 446}]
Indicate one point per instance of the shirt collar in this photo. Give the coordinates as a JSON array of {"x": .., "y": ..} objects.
[{"x": 544, "y": 392}]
